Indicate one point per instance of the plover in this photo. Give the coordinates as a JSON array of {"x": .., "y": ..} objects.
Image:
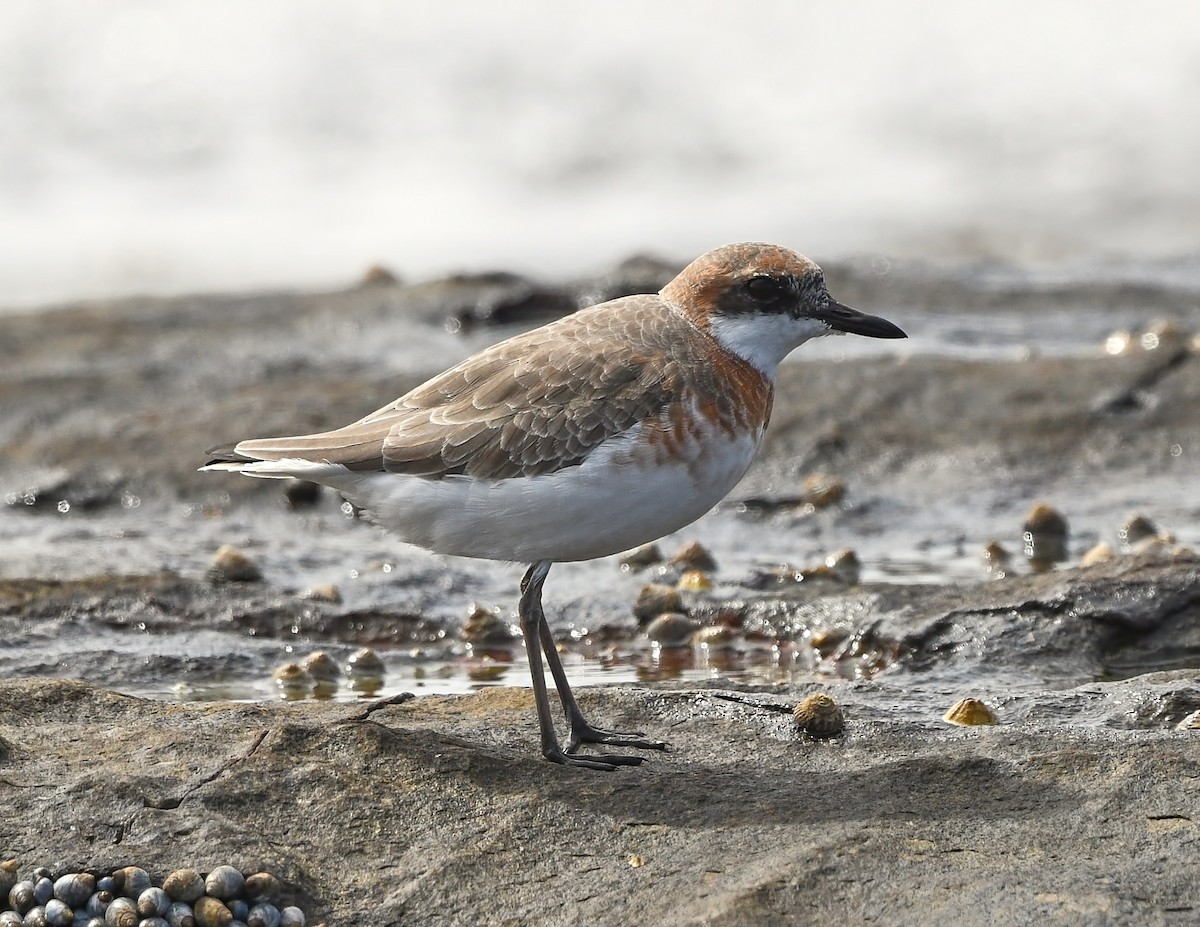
[{"x": 591, "y": 435}]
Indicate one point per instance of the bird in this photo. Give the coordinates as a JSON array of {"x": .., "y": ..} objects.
[{"x": 601, "y": 431}]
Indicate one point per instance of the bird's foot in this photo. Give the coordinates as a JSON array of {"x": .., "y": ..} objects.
[
  {"x": 603, "y": 761},
  {"x": 584, "y": 733}
]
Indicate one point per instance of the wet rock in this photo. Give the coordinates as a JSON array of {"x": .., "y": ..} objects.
[
  {"x": 63, "y": 493},
  {"x": 451, "y": 759},
  {"x": 502, "y": 298}
]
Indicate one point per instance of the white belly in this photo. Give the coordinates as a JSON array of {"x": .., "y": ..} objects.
[{"x": 613, "y": 501}]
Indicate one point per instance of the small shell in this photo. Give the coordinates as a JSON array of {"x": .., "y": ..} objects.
[
  {"x": 262, "y": 885},
  {"x": 59, "y": 914},
  {"x": 230, "y": 565},
  {"x": 109, "y": 884},
  {"x": 10, "y": 919},
  {"x": 75, "y": 888},
  {"x": 322, "y": 667},
  {"x": 153, "y": 922},
  {"x": 694, "y": 556},
  {"x": 43, "y": 889},
  {"x": 1044, "y": 536},
  {"x": 238, "y": 908},
  {"x": 36, "y": 917},
  {"x": 210, "y": 912},
  {"x": 327, "y": 592},
  {"x": 673, "y": 629},
  {"x": 8, "y": 877},
  {"x": 655, "y": 598},
  {"x": 969, "y": 712},
  {"x": 695, "y": 581},
  {"x": 184, "y": 885},
  {"x": 180, "y": 915},
  {"x": 291, "y": 916},
  {"x": 224, "y": 882},
  {"x": 293, "y": 681},
  {"x": 826, "y": 640},
  {"x": 1190, "y": 722},
  {"x": 485, "y": 626},
  {"x": 121, "y": 913},
  {"x": 153, "y": 902},
  {"x": 365, "y": 664},
  {"x": 822, "y": 491},
  {"x": 845, "y": 565},
  {"x": 819, "y": 715},
  {"x": 996, "y": 558},
  {"x": 1136, "y": 528},
  {"x": 1100, "y": 553},
  {"x": 641, "y": 557},
  {"x": 263, "y": 915},
  {"x": 98, "y": 903},
  {"x": 20, "y": 896},
  {"x": 136, "y": 881}
]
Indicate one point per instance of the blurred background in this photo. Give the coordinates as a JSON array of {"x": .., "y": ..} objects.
[{"x": 151, "y": 146}]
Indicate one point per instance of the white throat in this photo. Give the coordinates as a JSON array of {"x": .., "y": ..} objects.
[{"x": 764, "y": 339}]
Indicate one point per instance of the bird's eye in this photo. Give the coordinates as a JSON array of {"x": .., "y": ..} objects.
[{"x": 766, "y": 289}]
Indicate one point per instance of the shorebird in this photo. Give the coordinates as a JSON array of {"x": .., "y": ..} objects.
[{"x": 598, "y": 432}]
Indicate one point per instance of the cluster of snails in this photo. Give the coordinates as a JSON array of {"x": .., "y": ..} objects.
[{"x": 126, "y": 897}]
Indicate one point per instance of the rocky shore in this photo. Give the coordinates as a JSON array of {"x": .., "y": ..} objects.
[{"x": 1077, "y": 807}]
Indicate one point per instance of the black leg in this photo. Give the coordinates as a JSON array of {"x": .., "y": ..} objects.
[
  {"x": 580, "y": 731},
  {"x": 532, "y": 619}
]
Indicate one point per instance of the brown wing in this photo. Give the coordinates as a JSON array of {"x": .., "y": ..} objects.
[{"x": 529, "y": 405}]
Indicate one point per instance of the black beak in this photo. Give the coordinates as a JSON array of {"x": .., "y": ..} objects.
[{"x": 844, "y": 319}]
